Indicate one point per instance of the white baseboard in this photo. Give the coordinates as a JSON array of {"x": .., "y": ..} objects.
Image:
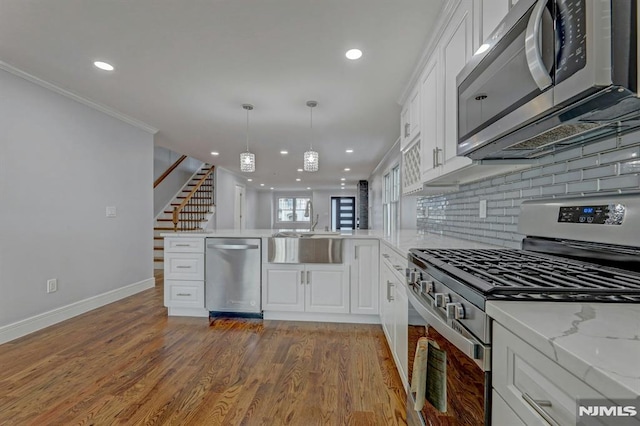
[
  {"x": 318, "y": 317},
  {"x": 188, "y": 312},
  {"x": 29, "y": 325}
]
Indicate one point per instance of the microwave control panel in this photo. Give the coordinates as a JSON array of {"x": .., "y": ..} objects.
[
  {"x": 571, "y": 41},
  {"x": 610, "y": 214}
]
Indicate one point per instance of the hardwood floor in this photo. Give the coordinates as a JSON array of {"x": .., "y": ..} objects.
[{"x": 128, "y": 363}]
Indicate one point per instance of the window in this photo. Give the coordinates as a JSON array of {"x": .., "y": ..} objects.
[
  {"x": 391, "y": 201},
  {"x": 292, "y": 209}
]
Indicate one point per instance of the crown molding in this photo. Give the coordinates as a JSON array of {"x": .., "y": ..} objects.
[{"x": 91, "y": 104}]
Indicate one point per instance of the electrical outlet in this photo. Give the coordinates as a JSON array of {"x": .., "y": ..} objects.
[
  {"x": 52, "y": 285},
  {"x": 483, "y": 209},
  {"x": 111, "y": 211}
]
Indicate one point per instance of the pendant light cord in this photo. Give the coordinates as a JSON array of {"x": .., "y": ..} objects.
[
  {"x": 247, "y": 130},
  {"x": 311, "y": 129}
]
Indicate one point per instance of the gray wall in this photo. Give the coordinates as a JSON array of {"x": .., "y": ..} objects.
[
  {"x": 608, "y": 166},
  {"x": 225, "y": 186},
  {"x": 61, "y": 164},
  {"x": 163, "y": 158}
]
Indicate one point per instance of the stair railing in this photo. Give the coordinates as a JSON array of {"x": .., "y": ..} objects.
[
  {"x": 169, "y": 170},
  {"x": 196, "y": 204}
]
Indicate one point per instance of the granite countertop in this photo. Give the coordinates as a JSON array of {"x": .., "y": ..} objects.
[
  {"x": 401, "y": 241},
  {"x": 597, "y": 342}
]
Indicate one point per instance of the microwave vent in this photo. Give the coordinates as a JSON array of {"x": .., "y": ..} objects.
[{"x": 554, "y": 135}]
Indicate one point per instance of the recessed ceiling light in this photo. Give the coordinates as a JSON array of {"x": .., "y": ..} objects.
[
  {"x": 343, "y": 179},
  {"x": 283, "y": 152},
  {"x": 298, "y": 179},
  {"x": 262, "y": 184},
  {"x": 299, "y": 170},
  {"x": 342, "y": 184},
  {"x": 249, "y": 180},
  {"x": 342, "y": 187},
  {"x": 271, "y": 187},
  {"x": 349, "y": 151},
  {"x": 215, "y": 153},
  {"x": 308, "y": 187},
  {"x": 353, "y": 54},
  {"x": 347, "y": 169},
  {"x": 103, "y": 65}
]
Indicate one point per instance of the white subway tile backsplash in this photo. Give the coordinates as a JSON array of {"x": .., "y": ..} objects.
[
  {"x": 620, "y": 155},
  {"x": 568, "y": 177},
  {"x": 604, "y": 168},
  {"x": 605, "y": 145},
  {"x": 627, "y": 181}
]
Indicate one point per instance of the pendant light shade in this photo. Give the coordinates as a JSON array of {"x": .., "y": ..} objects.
[
  {"x": 311, "y": 157},
  {"x": 247, "y": 158}
]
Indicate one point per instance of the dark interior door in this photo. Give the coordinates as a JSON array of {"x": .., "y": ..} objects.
[{"x": 343, "y": 212}]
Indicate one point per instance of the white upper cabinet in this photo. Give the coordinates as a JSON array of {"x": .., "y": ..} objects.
[
  {"x": 430, "y": 113},
  {"x": 491, "y": 13}
]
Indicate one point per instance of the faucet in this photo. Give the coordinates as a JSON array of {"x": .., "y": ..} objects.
[{"x": 308, "y": 212}]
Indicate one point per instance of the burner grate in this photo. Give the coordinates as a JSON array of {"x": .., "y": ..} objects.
[{"x": 523, "y": 274}]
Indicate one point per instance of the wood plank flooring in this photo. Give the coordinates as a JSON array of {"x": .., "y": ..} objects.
[{"x": 128, "y": 363}]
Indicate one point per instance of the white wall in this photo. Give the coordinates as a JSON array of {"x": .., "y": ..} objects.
[
  {"x": 225, "y": 184},
  {"x": 163, "y": 158},
  {"x": 264, "y": 209},
  {"x": 407, "y": 203},
  {"x": 61, "y": 164}
]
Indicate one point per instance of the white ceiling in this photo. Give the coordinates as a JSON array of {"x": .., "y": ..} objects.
[{"x": 186, "y": 67}]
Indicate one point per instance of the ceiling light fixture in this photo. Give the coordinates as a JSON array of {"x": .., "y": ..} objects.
[
  {"x": 249, "y": 180},
  {"x": 353, "y": 54},
  {"x": 300, "y": 170},
  {"x": 272, "y": 187},
  {"x": 262, "y": 184},
  {"x": 247, "y": 159},
  {"x": 215, "y": 153},
  {"x": 311, "y": 158},
  {"x": 347, "y": 169},
  {"x": 283, "y": 152},
  {"x": 308, "y": 187},
  {"x": 349, "y": 151},
  {"x": 343, "y": 179},
  {"x": 103, "y": 66},
  {"x": 298, "y": 179}
]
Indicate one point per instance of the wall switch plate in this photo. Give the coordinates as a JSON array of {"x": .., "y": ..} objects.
[
  {"x": 111, "y": 211},
  {"x": 52, "y": 285},
  {"x": 483, "y": 209}
]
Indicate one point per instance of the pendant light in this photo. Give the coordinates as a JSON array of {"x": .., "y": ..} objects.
[
  {"x": 247, "y": 159},
  {"x": 311, "y": 158}
]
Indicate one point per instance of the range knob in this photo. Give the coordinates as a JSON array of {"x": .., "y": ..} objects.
[
  {"x": 455, "y": 311},
  {"x": 442, "y": 299},
  {"x": 411, "y": 275},
  {"x": 426, "y": 286}
]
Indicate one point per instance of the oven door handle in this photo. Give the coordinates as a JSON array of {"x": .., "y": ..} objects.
[
  {"x": 532, "y": 47},
  {"x": 470, "y": 347}
]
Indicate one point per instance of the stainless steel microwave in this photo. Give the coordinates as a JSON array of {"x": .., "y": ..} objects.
[{"x": 554, "y": 73}]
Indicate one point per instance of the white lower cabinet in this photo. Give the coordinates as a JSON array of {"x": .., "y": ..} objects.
[
  {"x": 537, "y": 389},
  {"x": 184, "y": 276},
  {"x": 394, "y": 308},
  {"x": 502, "y": 414},
  {"x": 363, "y": 257},
  {"x": 306, "y": 288}
]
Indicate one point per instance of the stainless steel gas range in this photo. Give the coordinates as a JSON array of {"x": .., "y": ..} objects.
[{"x": 576, "y": 249}]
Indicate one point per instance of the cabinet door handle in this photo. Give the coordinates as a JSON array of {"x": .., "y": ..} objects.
[
  {"x": 183, "y": 294},
  {"x": 308, "y": 277},
  {"x": 433, "y": 158},
  {"x": 406, "y": 130},
  {"x": 537, "y": 406},
  {"x": 355, "y": 252},
  {"x": 183, "y": 245},
  {"x": 389, "y": 296},
  {"x": 183, "y": 267},
  {"x": 301, "y": 277}
]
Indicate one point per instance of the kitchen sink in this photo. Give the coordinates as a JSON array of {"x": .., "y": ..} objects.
[{"x": 304, "y": 248}]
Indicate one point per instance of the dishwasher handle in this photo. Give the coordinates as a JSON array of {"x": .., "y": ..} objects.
[{"x": 233, "y": 246}]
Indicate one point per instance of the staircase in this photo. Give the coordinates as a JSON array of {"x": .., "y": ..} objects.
[{"x": 190, "y": 210}]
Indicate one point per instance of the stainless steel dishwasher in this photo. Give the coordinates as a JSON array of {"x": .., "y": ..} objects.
[{"x": 232, "y": 277}]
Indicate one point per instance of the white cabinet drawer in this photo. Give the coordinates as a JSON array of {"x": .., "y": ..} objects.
[
  {"x": 184, "y": 266},
  {"x": 184, "y": 294},
  {"x": 393, "y": 259},
  {"x": 184, "y": 245},
  {"x": 533, "y": 385}
]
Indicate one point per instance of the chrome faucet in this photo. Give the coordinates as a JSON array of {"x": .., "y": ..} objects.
[{"x": 308, "y": 212}]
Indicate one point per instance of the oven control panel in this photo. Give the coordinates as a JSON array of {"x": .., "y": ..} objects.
[{"x": 609, "y": 214}]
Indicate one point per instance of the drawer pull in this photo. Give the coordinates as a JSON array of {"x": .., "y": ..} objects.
[
  {"x": 389, "y": 296},
  {"x": 183, "y": 267},
  {"x": 537, "y": 406},
  {"x": 385, "y": 255},
  {"x": 183, "y": 294},
  {"x": 183, "y": 245}
]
